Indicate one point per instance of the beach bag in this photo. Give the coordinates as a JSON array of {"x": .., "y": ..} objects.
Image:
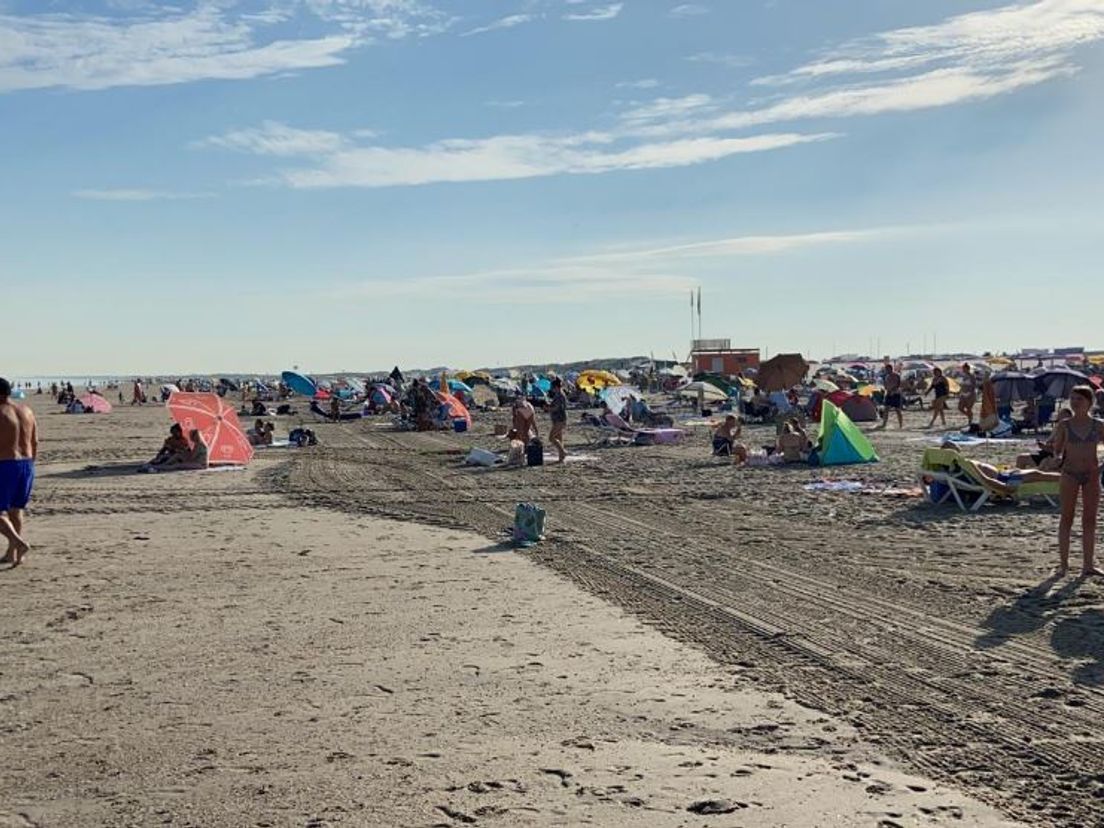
[
  {"x": 534, "y": 453},
  {"x": 528, "y": 524}
]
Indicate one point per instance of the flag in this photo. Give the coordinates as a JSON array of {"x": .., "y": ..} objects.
[{"x": 699, "y": 301}]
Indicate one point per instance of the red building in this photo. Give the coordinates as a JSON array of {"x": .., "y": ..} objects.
[{"x": 717, "y": 356}]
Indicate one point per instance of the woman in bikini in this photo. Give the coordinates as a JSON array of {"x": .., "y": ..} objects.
[{"x": 1075, "y": 442}]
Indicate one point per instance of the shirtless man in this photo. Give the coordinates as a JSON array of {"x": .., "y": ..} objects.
[
  {"x": 523, "y": 424},
  {"x": 18, "y": 450},
  {"x": 893, "y": 399}
]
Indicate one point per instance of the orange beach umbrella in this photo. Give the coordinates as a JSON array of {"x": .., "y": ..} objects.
[{"x": 217, "y": 422}]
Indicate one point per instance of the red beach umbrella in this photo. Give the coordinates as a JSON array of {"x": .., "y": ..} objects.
[
  {"x": 217, "y": 422},
  {"x": 96, "y": 403}
]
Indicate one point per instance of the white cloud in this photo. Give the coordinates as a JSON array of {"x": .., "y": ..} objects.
[
  {"x": 509, "y": 104},
  {"x": 967, "y": 58},
  {"x": 721, "y": 58},
  {"x": 665, "y": 109},
  {"x": 990, "y": 40},
  {"x": 607, "y": 12},
  {"x": 688, "y": 10},
  {"x": 643, "y": 270},
  {"x": 137, "y": 195},
  {"x": 507, "y": 22},
  {"x": 145, "y": 47},
  {"x": 497, "y": 158},
  {"x": 645, "y": 83},
  {"x": 275, "y": 138}
]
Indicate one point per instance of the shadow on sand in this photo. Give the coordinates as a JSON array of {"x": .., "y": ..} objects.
[{"x": 88, "y": 472}]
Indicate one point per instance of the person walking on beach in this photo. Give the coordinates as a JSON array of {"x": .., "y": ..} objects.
[
  {"x": 18, "y": 449},
  {"x": 891, "y": 381},
  {"x": 1075, "y": 442},
  {"x": 557, "y": 410},
  {"x": 941, "y": 388},
  {"x": 967, "y": 395}
]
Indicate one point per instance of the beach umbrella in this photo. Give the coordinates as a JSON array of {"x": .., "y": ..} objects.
[
  {"x": 918, "y": 365},
  {"x": 169, "y": 388},
  {"x": 457, "y": 410},
  {"x": 593, "y": 379},
  {"x": 1001, "y": 363},
  {"x": 217, "y": 422},
  {"x": 709, "y": 392},
  {"x": 869, "y": 390},
  {"x": 95, "y": 403},
  {"x": 229, "y": 383},
  {"x": 1057, "y": 383},
  {"x": 299, "y": 383},
  {"x": 1013, "y": 386},
  {"x": 825, "y": 385},
  {"x": 781, "y": 372}
]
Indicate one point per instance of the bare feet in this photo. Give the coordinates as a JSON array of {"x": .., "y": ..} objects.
[
  {"x": 1061, "y": 570},
  {"x": 16, "y": 555},
  {"x": 1092, "y": 571}
]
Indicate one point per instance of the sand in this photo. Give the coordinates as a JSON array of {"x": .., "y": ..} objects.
[{"x": 336, "y": 636}]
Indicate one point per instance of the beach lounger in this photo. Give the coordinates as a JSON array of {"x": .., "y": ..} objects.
[
  {"x": 947, "y": 475},
  {"x": 644, "y": 436}
]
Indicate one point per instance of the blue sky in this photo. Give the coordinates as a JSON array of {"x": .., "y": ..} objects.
[{"x": 346, "y": 184}]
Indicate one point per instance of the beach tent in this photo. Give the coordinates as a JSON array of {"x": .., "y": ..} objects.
[
  {"x": 840, "y": 441},
  {"x": 95, "y": 403},
  {"x": 474, "y": 378},
  {"x": 860, "y": 409},
  {"x": 299, "y": 383},
  {"x": 457, "y": 410},
  {"x": 380, "y": 395},
  {"x": 217, "y": 422},
  {"x": 455, "y": 386},
  {"x": 827, "y": 386}
]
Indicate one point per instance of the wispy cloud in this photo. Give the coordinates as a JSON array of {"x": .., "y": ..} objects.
[
  {"x": 689, "y": 10},
  {"x": 138, "y": 195},
  {"x": 508, "y": 22},
  {"x": 666, "y": 109},
  {"x": 342, "y": 163},
  {"x": 606, "y": 12},
  {"x": 963, "y": 59},
  {"x": 644, "y": 83},
  {"x": 722, "y": 59},
  {"x": 167, "y": 45},
  {"x": 509, "y": 104},
  {"x": 644, "y": 270}
]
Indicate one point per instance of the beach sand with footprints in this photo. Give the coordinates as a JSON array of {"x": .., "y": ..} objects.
[{"x": 339, "y": 636}]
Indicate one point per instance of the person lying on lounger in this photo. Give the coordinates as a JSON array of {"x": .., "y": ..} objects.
[
  {"x": 1005, "y": 481},
  {"x": 724, "y": 440}
]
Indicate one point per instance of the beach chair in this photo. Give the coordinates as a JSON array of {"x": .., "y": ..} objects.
[
  {"x": 600, "y": 434},
  {"x": 942, "y": 479},
  {"x": 644, "y": 436},
  {"x": 947, "y": 475}
]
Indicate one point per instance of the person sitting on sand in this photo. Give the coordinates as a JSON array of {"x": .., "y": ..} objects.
[
  {"x": 724, "y": 440},
  {"x": 793, "y": 443},
  {"x": 174, "y": 448},
  {"x": 192, "y": 459},
  {"x": 1044, "y": 458}
]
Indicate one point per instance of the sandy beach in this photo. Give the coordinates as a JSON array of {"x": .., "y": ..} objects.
[{"x": 339, "y": 635}]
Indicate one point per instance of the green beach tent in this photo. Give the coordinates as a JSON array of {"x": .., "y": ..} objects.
[{"x": 841, "y": 442}]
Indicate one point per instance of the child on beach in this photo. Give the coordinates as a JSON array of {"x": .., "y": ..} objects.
[
  {"x": 724, "y": 440},
  {"x": 941, "y": 388}
]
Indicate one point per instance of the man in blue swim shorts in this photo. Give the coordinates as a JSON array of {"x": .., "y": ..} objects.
[{"x": 18, "y": 449}]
